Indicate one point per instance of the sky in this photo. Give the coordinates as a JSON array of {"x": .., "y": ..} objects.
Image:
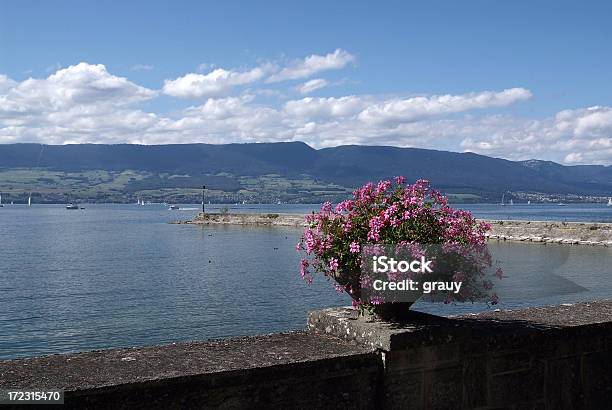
[{"x": 516, "y": 80}]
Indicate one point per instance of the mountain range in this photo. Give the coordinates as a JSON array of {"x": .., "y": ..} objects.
[{"x": 251, "y": 171}]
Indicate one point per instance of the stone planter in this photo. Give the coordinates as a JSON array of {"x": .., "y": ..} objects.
[{"x": 394, "y": 310}]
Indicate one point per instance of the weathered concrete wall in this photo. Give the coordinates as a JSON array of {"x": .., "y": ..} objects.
[
  {"x": 287, "y": 370},
  {"x": 556, "y": 357}
]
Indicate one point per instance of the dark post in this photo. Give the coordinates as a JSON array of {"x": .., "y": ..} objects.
[{"x": 203, "y": 188}]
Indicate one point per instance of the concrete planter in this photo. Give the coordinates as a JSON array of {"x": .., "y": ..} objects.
[{"x": 394, "y": 310}]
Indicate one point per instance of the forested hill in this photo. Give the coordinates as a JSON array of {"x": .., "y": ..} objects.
[{"x": 227, "y": 166}]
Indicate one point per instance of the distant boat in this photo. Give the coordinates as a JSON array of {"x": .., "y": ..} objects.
[
  {"x": 30, "y": 200},
  {"x": 528, "y": 202},
  {"x": 503, "y": 197},
  {"x": 560, "y": 204},
  {"x": 609, "y": 201},
  {"x": 511, "y": 201},
  {"x": 173, "y": 208},
  {"x": 72, "y": 206},
  {"x": 1, "y": 206}
]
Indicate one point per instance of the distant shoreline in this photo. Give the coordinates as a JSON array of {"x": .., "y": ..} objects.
[{"x": 542, "y": 232}]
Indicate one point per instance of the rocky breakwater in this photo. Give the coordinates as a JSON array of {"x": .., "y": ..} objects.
[
  {"x": 296, "y": 220},
  {"x": 543, "y": 232},
  {"x": 574, "y": 233}
]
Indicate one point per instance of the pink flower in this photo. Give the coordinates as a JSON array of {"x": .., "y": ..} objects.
[
  {"x": 348, "y": 225},
  {"x": 395, "y": 214},
  {"x": 304, "y": 270},
  {"x": 326, "y": 208},
  {"x": 344, "y": 206},
  {"x": 382, "y": 186}
]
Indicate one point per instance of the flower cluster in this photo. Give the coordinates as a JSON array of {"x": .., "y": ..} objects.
[{"x": 392, "y": 213}]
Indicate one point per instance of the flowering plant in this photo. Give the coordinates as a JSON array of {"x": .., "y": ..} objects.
[{"x": 394, "y": 213}]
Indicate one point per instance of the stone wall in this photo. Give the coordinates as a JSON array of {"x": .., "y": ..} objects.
[
  {"x": 558, "y": 357},
  {"x": 285, "y": 370}
]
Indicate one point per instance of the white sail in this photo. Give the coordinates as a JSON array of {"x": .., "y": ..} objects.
[
  {"x": 609, "y": 201},
  {"x": 0, "y": 199},
  {"x": 30, "y": 200}
]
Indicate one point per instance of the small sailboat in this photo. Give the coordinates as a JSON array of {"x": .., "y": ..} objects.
[
  {"x": 529, "y": 202},
  {"x": 72, "y": 206},
  {"x": 1, "y": 206},
  {"x": 503, "y": 197},
  {"x": 511, "y": 201},
  {"x": 30, "y": 200},
  {"x": 609, "y": 201}
]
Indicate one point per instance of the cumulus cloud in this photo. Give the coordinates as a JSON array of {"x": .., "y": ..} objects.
[
  {"x": 220, "y": 82},
  {"x": 6, "y": 83},
  {"x": 82, "y": 84},
  {"x": 416, "y": 108},
  {"x": 312, "y": 85},
  {"x": 215, "y": 83},
  {"x": 312, "y": 65},
  {"x": 86, "y": 103},
  {"x": 311, "y": 107},
  {"x": 581, "y": 136}
]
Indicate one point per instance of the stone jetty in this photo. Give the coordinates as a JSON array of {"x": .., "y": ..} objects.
[{"x": 542, "y": 232}]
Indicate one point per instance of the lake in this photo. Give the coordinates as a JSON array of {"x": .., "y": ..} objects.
[{"x": 121, "y": 275}]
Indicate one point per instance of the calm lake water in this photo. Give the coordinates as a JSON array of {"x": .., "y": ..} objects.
[{"x": 120, "y": 275}]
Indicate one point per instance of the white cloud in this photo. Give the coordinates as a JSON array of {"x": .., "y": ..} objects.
[
  {"x": 142, "y": 67},
  {"x": 582, "y": 136},
  {"x": 416, "y": 108},
  {"x": 312, "y": 65},
  {"x": 215, "y": 83},
  {"x": 310, "y": 107},
  {"x": 82, "y": 84},
  {"x": 6, "y": 83},
  {"x": 85, "y": 103},
  {"x": 312, "y": 85},
  {"x": 220, "y": 82}
]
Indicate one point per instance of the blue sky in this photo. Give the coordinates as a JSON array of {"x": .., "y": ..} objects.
[{"x": 516, "y": 79}]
